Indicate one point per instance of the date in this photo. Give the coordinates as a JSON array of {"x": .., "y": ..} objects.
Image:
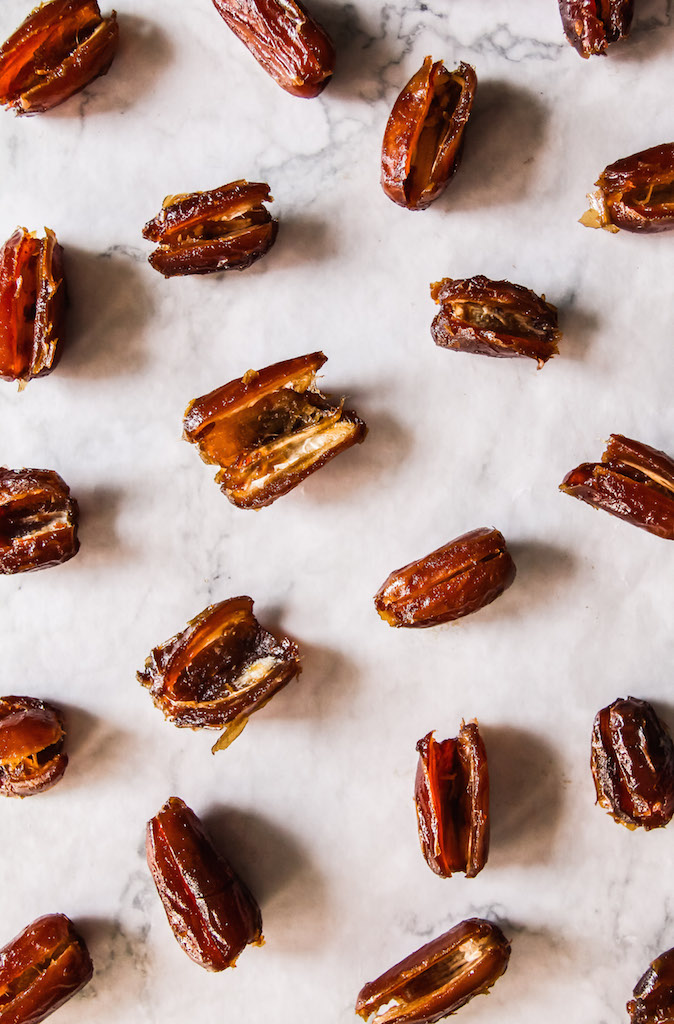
[
  {"x": 424, "y": 136},
  {"x": 590, "y": 25},
  {"x": 270, "y": 429},
  {"x": 633, "y": 481},
  {"x": 211, "y": 912},
  {"x": 286, "y": 41},
  {"x": 32, "y": 737},
  {"x": 57, "y": 51},
  {"x": 228, "y": 228},
  {"x": 439, "y": 978},
  {"x": 452, "y": 802},
  {"x": 40, "y": 969},
  {"x": 455, "y": 580},
  {"x": 653, "y": 995},
  {"x": 635, "y": 193},
  {"x": 38, "y": 520}
]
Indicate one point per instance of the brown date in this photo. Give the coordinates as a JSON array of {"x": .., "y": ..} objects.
[
  {"x": 32, "y": 305},
  {"x": 38, "y": 520},
  {"x": 57, "y": 51},
  {"x": 227, "y": 228},
  {"x": 211, "y": 912},
  {"x": 494, "y": 318},
  {"x": 32, "y": 737},
  {"x": 270, "y": 429},
  {"x": 285, "y": 40},
  {"x": 439, "y": 978},
  {"x": 40, "y": 969},
  {"x": 455, "y": 580},
  {"x": 452, "y": 802},
  {"x": 635, "y": 193},
  {"x": 590, "y": 25},
  {"x": 633, "y": 764},
  {"x": 633, "y": 481},
  {"x": 424, "y": 136},
  {"x": 653, "y": 1001}
]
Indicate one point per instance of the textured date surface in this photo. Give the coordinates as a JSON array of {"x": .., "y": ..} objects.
[
  {"x": 32, "y": 305},
  {"x": 270, "y": 429},
  {"x": 653, "y": 995},
  {"x": 285, "y": 40},
  {"x": 590, "y": 25},
  {"x": 40, "y": 969},
  {"x": 494, "y": 318},
  {"x": 635, "y": 193},
  {"x": 633, "y": 764},
  {"x": 439, "y": 978},
  {"x": 32, "y": 737},
  {"x": 211, "y": 912},
  {"x": 452, "y": 802},
  {"x": 61, "y": 47},
  {"x": 633, "y": 481},
  {"x": 38, "y": 520},
  {"x": 227, "y": 228},
  {"x": 424, "y": 136},
  {"x": 455, "y": 580}
]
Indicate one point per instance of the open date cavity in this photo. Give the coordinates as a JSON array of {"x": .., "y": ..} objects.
[
  {"x": 32, "y": 737},
  {"x": 635, "y": 193},
  {"x": 590, "y": 25}
]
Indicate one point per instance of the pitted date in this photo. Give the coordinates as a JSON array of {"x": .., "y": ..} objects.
[
  {"x": 633, "y": 764},
  {"x": 32, "y": 737},
  {"x": 455, "y": 580},
  {"x": 633, "y": 481},
  {"x": 270, "y": 429},
  {"x": 38, "y": 520},
  {"x": 590, "y": 25},
  {"x": 424, "y": 136},
  {"x": 40, "y": 969},
  {"x": 57, "y": 51},
  {"x": 452, "y": 802},
  {"x": 211, "y": 912},
  {"x": 285, "y": 40},
  {"x": 228, "y": 228},
  {"x": 653, "y": 995},
  {"x": 635, "y": 193},
  {"x": 494, "y": 318},
  {"x": 439, "y": 978}
]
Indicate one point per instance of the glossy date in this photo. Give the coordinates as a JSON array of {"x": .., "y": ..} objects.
[
  {"x": 32, "y": 737},
  {"x": 635, "y": 193},
  {"x": 590, "y": 25},
  {"x": 653, "y": 995},
  {"x": 38, "y": 520}
]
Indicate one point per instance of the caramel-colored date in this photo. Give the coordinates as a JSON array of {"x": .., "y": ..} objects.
[
  {"x": 424, "y": 136},
  {"x": 40, "y": 969},
  {"x": 439, "y": 978},
  {"x": 227, "y": 228},
  {"x": 455, "y": 580},
  {"x": 270, "y": 429},
  {"x": 633, "y": 481},
  {"x": 32, "y": 737},
  {"x": 635, "y": 193},
  {"x": 653, "y": 1001},
  {"x": 57, "y": 51},
  {"x": 590, "y": 25},
  {"x": 211, "y": 912},
  {"x": 452, "y": 802},
  {"x": 38, "y": 520}
]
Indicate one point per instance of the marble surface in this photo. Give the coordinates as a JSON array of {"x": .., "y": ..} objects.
[{"x": 313, "y": 803}]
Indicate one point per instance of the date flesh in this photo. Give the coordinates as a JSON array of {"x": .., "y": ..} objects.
[
  {"x": 455, "y": 580},
  {"x": 269, "y": 430},
  {"x": 38, "y": 520},
  {"x": 635, "y": 193},
  {"x": 32, "y": 737},
  {"x": 211, "y": 912},
  {"x": 40, "y": 969},
  {"x": 633, "y": 481},
  {"x": 590, "y": 25},
  {"x": 439, "y": 978},
  {"x": 424, "y": 136},
  {"x": 653, "y": 1001},
  {"x": 452, "y": 802},
  {"x": 494, "y": 318},
  {"x": 57, "y": 51},
  {"x": 227, "y": 228}
]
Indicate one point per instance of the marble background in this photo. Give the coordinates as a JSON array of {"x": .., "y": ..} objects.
[{"x": 313, "y": 803}]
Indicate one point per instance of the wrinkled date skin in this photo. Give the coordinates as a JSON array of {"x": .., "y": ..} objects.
[
  {"x": 269, "y": 430},
  {"x": 635, "y": 194},
  {"x": 455, "y": 580},
  {"x": 285, "y": 40},
  {"x": 452, "y": 802},
  {"x": 439, "y": 978},
  {"x": 32, "y": 305},
  {"x": 633, "y": 481},
  {"x": 40, "y": 969},
  {"x": 38, "y": 520},
  {"x": 633, "y": 764},
  {"x": 494, "y": 318},
  {"x": 653, "y": 1001},
  {"x": 57, "y": 51},
  {"x": 227, "y": 228},
  {"x": 424, "y": 136},
  {"x": 32, "y": 737},
  {"x": 590, "y": 25}
]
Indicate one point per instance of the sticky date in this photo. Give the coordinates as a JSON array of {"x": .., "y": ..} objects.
[
  {"x": 635, "y": 193},
  {"x": 38, "y": 520},
  {"x": 32, "y": 737},
  {"x": 590, "y": 25},
  {"x": 653, "y": 1001}
]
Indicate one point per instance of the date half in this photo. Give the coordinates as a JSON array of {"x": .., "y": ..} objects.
[
  {"x": 590, "y": 25},
  {"x": 653, "y": 995},
  {"x": 32, "y": 737},
  {"x": 635, "y": 193},
  {"x": 38, "y": 520}
]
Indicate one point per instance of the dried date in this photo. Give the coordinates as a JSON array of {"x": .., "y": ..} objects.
[
  {"x": 653, "y": 1001},
  {"x": 32, "y": 737},
  {"x": 38, "y": 520},
  {"x": 635, "y": 193},
  {"x": 590, "y": 25}
]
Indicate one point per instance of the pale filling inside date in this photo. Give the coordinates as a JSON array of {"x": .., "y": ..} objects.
[
  {"x": 494, "y": 318},
  {"x": 435, "y": 134}
]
